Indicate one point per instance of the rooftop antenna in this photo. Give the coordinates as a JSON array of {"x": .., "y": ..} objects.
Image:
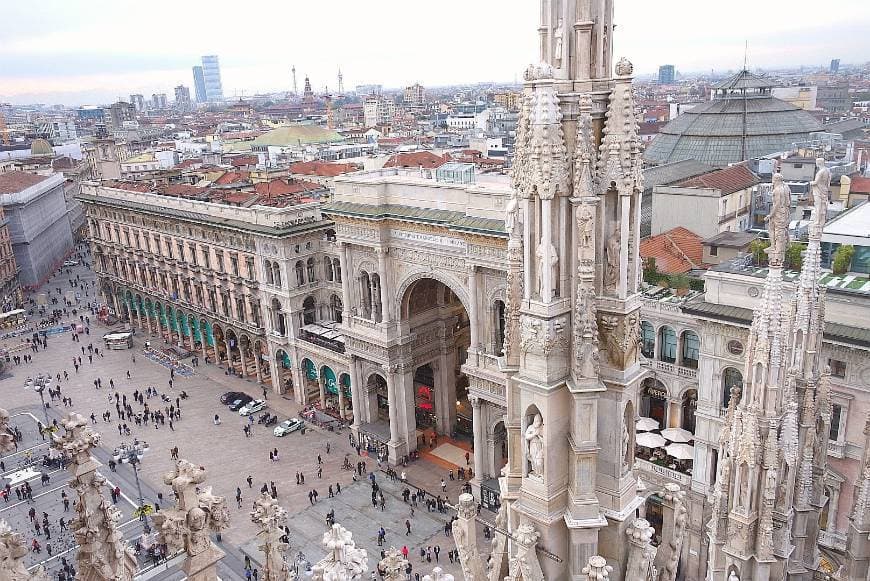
[{"x": 340, "y": 82}]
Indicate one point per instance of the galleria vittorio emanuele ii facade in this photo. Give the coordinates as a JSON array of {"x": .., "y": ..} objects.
[{"x": 511, "y": 310}]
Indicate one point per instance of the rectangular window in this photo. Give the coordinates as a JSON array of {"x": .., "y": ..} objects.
[
  {"x": 206, "y": 257},
  {"x": 234, "y": 264},
  {"x": 838, "y": 368},
  {"x": 169, "y": 248},
  {"x": 219, "y": 260},
  {"x": 714, "y": 251},
  {"x": 180, "y": 246},
  {"x": 193, "y": 258},
  {"x": 836, "y": 421}
]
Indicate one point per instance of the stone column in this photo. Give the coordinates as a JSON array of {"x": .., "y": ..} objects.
[
  {"x": 446, "y": 394},
  {"x": 275, "y": 370},
  {"x": 479, "y": 438},
  {"x": 386, "y": 303},
  {"x": 473, "y": 318},
  {"x": 624, "y": 225},
  {"x": 321, "y": 381},
  {"x": 243, "y": 360},
  {"x": 355, "y": 394},
  {"x": 340, "y": 397},
  {"x": 257, "y": 369},
  {"x": 546, "y": 241},
  {"x": 345, "y": 283},
  {"x": 147, "y": 320},
  {"x": 229, "y": 351},
  {"x": 396, "y": 444}
]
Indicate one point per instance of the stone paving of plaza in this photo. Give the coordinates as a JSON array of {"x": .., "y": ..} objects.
[{"x": 224, "y": 450}]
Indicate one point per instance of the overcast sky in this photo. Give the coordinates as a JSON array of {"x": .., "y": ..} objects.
[{"x": 94, "y": 51}]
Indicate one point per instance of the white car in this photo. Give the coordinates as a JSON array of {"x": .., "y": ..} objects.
[
  {"x": 71, "y": 263},
  {"x": 288, "y": 427},
  {"x": 252, "y": 407}
]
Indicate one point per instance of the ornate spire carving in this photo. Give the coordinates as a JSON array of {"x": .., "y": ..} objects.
[
  {"x": 270, "y": 517},
  {"x": 103, "y": 553},
  {"x": 597, "y": 569},
  {"x": 641, "y": 552},
  {"x": 343, "y": 561},
  {"x": 187, "y": 525},
  {"x": 12, "y": 553}
]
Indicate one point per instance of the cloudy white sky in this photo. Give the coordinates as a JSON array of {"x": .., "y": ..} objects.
[{"x": 94, "y": 51}]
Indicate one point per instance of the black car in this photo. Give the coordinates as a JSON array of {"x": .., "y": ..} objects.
[
  {"x": 240, "y": 401},
  {"x": 230, "y": 396}
]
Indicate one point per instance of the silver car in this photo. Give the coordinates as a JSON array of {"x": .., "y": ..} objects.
[{"x": 288, "y": 427}]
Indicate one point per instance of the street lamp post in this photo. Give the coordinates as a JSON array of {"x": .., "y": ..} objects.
[
  {"x": 132, "y": 454},
  {"x": 39, "y": 385}
]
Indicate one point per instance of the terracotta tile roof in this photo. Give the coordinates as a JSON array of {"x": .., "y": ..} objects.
[
  {"x": 676, "y": 251},
  {"x": 425, "y": 159},
  {"x": 243, "y": 160},
  {"x": 62, "y": 163},
  {"x": 728, "y": 180},
  {"x": 232, "y": 177},
  {"x": 323, "y": 169},
  {"x": 278, "y": 187},
  {"x": 141, "y": 187},
  {"x": 189, "y": 163},
  {"x": 859, "y": 185},
  {"x": 14, "y": 181},
  {"x": 233, "y": 197},
  {"x": 181, "y": 190}
]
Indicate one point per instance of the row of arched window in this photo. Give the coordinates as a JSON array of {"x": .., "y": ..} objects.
[
  {"x": 306, "y": 272},
  {"x": 666, "y": 346},
  {"x": 309, "y": 312}
]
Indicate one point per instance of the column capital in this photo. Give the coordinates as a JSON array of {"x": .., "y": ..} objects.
[
  {"x": 381, "y": 252},
  {"x": 475, "y": 402}
]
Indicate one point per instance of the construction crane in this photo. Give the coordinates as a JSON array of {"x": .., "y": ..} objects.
[{"x": 293, "y": 70}]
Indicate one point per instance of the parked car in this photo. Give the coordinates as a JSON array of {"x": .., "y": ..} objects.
[
  {"x": 240, "y": 402},
  {"x": 288, "y": 427},
  {"x": 231, "y": 396},
  {"x": 71, "y": 263},
  {"x": 252, "y": 407}
]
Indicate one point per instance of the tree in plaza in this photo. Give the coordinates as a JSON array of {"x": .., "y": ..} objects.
[{"x": 842, "y": 259}]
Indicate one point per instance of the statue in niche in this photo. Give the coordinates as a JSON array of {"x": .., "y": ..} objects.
[
  {"x": 777, "y": 220},
  {"x": 558, "y": 43},
  {"x": 535, "y": 442},
  {"x": 626, "y": 446},
  {"x": 743, "y": 494},
  {"x": 820, "y": 191},
  {"x": 511, "y": 216},
  {"x": 585, "y": 227},
  {"x": 547, "y": 294},
  {"x": 611, "y": 267},
  {"x": 733, "y": 576}
]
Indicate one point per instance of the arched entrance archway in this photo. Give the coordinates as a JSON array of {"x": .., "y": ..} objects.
[
  {"x": 285, "y": 372},
  {"x": 654, "y": 401},
  {"x": 431, "y": 309},
  {"x": 310, "y": 378},
  {"x": 220, "y": 344}
]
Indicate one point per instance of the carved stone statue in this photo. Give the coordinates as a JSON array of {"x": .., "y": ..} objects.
[
  {"x": 558, "y": 42},
  {"x": 626, "y": 446},
  {"x": 732, "y": 576},
  {"x": 188, "y": 524},
  {"x": 270, "y": 517},
  {"x": 103, "y": 553},
  {"x": 535, "y": 443},
  {"x": 12, "y": 554},
  {"x": 820, "y": 189},
  {"x": 547, "y": 294},
  {"x": 7, "y": 439},
  {"x": 511, "y": 215},
  {"x": 778, "y": 219},
  {"x": 585, "y": 228},
  {"x": 611, "y": 267},
  {"x": 343, "y": 561},
  {"x": 393, "y": 565}
]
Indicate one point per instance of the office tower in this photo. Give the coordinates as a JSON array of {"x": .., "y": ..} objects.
[
  {"x": 835, "y": 66},
  {"x": 182, "y": 98},
  {"x": 199, "y": 84},
  {"x": 666, "y": 75},
  {"x": 159, "y": 101},
  {"x": 211, "y": 73},
  {"x": 138, "y": 102}
]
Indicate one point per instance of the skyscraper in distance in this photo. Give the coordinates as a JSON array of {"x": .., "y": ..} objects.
[
  {"x": 666, "y": 75},
  {"x": 211, "y": 72},
  {"x": 199, "y": 84},
  {"x": 835, "y": 66}
]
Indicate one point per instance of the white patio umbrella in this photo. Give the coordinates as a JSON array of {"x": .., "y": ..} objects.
[
  {"x": 646, "y": 425},
  {"x": 681, "y": 451},
  {"x": 648, "y": 440},
  {"x": 678, "y": 435}
]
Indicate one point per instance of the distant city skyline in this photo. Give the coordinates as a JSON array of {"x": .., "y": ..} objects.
[{"x": 74, "y": 54}]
